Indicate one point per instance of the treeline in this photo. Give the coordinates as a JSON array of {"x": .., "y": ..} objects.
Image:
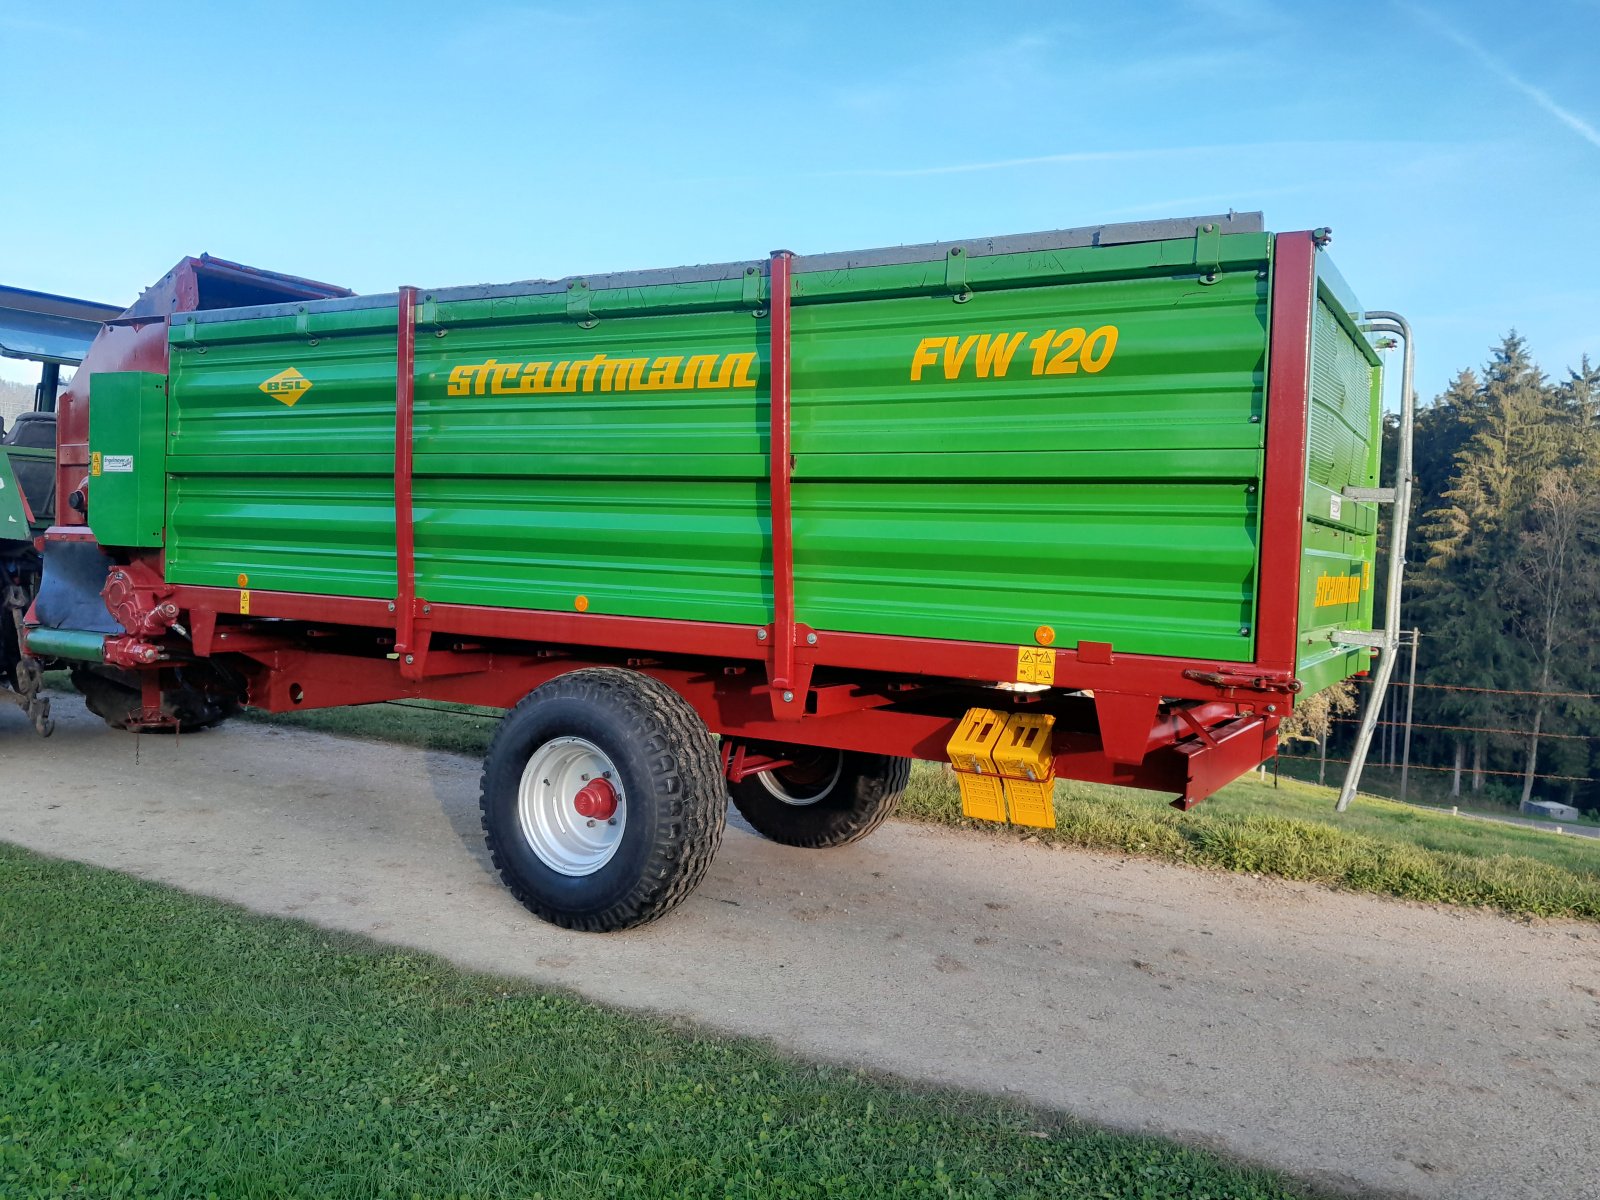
[
  {"x": 1504, "y": 578},
  {"x": 15, "y": 398}
]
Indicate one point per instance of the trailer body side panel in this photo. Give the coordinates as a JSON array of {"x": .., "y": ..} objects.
[{"x": 1067, "y": 442}]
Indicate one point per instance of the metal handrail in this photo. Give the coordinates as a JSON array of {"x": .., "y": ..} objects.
[{"x": 1382, "y": 321}]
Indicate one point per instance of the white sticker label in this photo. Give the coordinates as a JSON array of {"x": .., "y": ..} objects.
[
  {"x": 122, "y": 464},
  {"x": 1335, "y": 503}
]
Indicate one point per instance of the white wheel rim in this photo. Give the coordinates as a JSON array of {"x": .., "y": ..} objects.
[
  {"x": 564, "y": 839},
  {"x": 775, "y": 785}
]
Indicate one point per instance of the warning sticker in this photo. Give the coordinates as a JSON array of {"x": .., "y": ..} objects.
[
  {"x": 1036, "y": 664},
  {"x": 1335, "y": 506}
]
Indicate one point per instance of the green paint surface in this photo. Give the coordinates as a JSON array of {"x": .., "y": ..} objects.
[
  {"x": 976, "y": 502},
  {"x": 127, "y": 432},
  {"x": 13, "y": 515},
  {"x": 1340, "y": 533}
]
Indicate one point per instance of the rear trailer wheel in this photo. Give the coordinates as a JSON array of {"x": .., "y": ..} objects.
[
  {"x": 602, "y": 800},
  {"x": 199, "y": 701},
  {"x": 825, "y": 798}
]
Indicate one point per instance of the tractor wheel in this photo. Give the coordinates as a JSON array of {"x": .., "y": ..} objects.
[
  {"x": 826, "y": 798},
  {"x": 114, "y": 696},
  {"x": 602, "y": 800}
]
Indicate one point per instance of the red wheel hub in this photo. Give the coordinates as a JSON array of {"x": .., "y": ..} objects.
[{"x": 596, "y": 800}]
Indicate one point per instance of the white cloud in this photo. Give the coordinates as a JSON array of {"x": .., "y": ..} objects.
[
  {"x": 995, "y": 165},
  {"x": 1504, "y": 73},
  {"x": 1245, "y": 198},
  {"x": 1151, "y": 154},
  {"x": 1405, "y": 150}
]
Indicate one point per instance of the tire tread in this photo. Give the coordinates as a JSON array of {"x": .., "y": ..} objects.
[
  {"x": 689, "y": 793},
  {"x": 874, "y": 783}
]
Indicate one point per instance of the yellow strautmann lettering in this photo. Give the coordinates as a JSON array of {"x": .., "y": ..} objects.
[
  {"x": 603, "y": 373},
  {"x": 1338, "y": 589}
]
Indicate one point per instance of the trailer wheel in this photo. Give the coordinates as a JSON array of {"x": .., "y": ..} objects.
[
  {"x": 827, "y": 798},
  {"x": 114, "y": 696},
  {"x": 602, "y": 800}
]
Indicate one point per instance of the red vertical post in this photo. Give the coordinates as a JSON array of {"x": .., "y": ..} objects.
[
  {"x": 782, "y": 516},
  {"x": 405, "y": 546},
  {"x": 1283, "y": 493}
]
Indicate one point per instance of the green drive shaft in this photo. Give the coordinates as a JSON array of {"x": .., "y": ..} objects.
[{"x": 77, "y": 644}]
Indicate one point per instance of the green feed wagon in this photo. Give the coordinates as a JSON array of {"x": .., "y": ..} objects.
[{"x": 1091, "y": 504}]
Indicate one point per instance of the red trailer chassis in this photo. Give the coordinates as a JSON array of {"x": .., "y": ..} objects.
[{"x": 1175, "y": 725}]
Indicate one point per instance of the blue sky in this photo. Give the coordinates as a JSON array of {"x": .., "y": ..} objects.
[{"x": 1454, "y": 148}]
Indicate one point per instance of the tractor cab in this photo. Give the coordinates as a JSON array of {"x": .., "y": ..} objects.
[{"x": 50, "y": 332}]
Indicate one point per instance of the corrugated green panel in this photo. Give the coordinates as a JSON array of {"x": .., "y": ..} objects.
[
  {"x": 288, "y": 393},
  {"x": 299, "y": 532},
  {"x": 597, "y": 424},
  {"x": 1340, "y": 434},
  {"x": 306, "y": 321},
  {"x": 644, "y": 499},
  {"x": 968, "y": 470},
  {"x": 1159, "y": 568},
  {"x": 1331, "y": 557},
  {"x": 1183, "y": 377},
  {"x": 690, "y": 550},
  {"x": 978, "y": 504},
  {"x": 282, "y": 455},
  {"x": 1340, "y": 533}
]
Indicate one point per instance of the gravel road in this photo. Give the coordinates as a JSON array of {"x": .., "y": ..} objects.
[{"x": 1375, "y": 1047}]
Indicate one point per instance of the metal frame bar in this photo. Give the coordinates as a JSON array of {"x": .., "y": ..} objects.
[
  {"x": 1411, "y": 695},
  {"x": 405, "y": 541},
  {"x": 1119, "y": 234},
  {"x": 48, "y": 329},
  {"x": 1294, "y": 293},
  {"x": 914, "y": 657},
  {"x": 286, "y": 674},
  {"x": 780, "y": 498},
  {"x": 1383, "y": 321},
  {"x": 48, "y": 388}
]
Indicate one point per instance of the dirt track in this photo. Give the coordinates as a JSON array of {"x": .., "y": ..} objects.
[{"x": 1358, "y": 1042}]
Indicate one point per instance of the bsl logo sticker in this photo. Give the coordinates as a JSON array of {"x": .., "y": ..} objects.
[{"x": 287, "y": 386}]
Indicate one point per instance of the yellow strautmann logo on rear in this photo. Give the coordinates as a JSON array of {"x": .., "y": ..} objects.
[
  {"x": 287, "y": 386},
  {"x": 1341, "y": 589}
]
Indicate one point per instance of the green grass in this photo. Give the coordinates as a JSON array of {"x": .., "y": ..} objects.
[
  {"x": 1292, "y": 832},
  {"x": 461, "y": 729},
  {"x": 157, "y": 1044},
  {"x": 1499, "y": 798},
  {"x": 1251, "y": 826},
  {"x": 1431, "y": 829}
]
